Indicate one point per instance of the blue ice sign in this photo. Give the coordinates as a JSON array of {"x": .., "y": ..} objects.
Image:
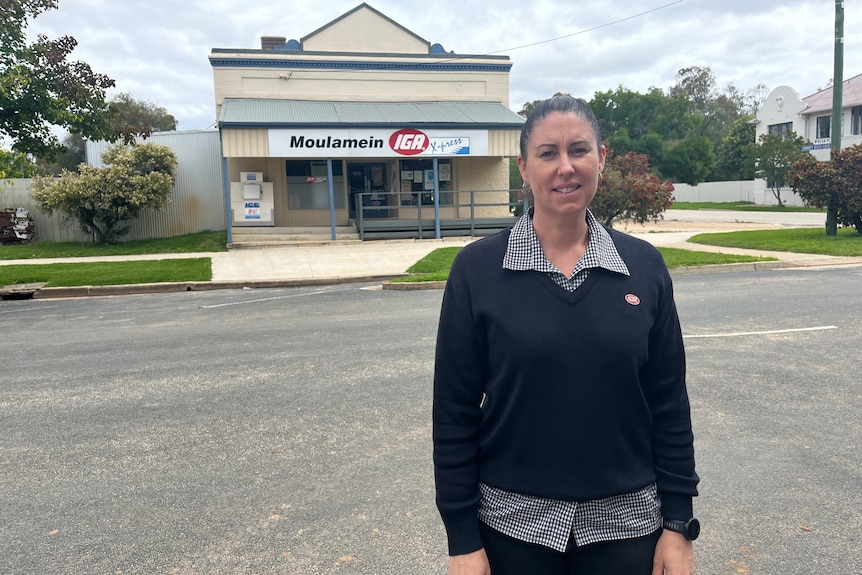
[{"x": 252, "y": 210}]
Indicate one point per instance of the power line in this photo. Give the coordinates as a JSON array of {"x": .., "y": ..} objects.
[{"x": 579, "y": 32}]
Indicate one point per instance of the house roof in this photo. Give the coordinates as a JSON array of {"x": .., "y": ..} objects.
[
  {"x": 851, "y": 95},
  {"x": 249, "y": 112},
  {"x": 365, "y": 6}
]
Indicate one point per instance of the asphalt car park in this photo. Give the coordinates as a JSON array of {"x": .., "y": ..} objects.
[{"x": 288, "y": 430}]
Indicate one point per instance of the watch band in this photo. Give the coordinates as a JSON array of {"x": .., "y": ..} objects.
[{"x": 690, "y": 529}]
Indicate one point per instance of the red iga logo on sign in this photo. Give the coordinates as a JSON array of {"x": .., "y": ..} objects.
[{"x": 408, "y": 142}]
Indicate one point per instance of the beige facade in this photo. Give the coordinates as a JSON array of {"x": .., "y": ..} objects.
[{"x": 363, "y": 110}]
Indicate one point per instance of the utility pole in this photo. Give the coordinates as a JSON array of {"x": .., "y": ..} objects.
[{"x": 837, "y": 89}]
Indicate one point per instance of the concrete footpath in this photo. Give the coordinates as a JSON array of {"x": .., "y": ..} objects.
[{"x": 337, "y": 262}]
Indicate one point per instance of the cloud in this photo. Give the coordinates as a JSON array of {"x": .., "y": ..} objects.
[{"x": 157, "y": 50}]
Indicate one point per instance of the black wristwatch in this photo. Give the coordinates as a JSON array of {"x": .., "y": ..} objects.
[{"x": 690, "y": 529}]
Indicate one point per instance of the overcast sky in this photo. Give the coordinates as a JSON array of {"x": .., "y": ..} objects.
[{"x": 157, "y": 50}]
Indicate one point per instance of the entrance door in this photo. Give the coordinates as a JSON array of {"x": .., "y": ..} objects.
[{"x": 368, "y": 179}]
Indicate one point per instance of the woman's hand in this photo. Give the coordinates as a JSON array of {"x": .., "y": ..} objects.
[
  {"x": 475, "y": 563},
  {"x": 674, "y": 555}
]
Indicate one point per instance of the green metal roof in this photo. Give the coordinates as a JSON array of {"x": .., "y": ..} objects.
[{"x": 247, "y": 112}]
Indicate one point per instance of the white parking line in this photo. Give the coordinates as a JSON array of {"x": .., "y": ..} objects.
[
  {"x": 765, "y": 332},
  {"x": 319, "y": 292},
  {"x": 26, "y": 309}
]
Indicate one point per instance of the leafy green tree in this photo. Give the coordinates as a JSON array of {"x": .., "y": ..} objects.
[
  {"x": 641, "y": 114},
  {"x": 131, "y": 117},
  {"x": 41, "y": 88},
  {"x": 837, "y": 182},
  {"x": 528, "y": 107},
  {"x": 658, "y": 125},
  {"x": 629, "y": 191},
  {"x": 718, "y": 111},
  {"x": 17, "y": 165},
  {"x": 100, "y": 199},
  {"x": 773, "y": 155},
  {"x": 690, "y": 161},
  {"x": 733, "y": 158}
]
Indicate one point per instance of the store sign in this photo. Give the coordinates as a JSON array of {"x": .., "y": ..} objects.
[
  {"x": 408, "y": 142},
  {"x": 375, "y": 143}
]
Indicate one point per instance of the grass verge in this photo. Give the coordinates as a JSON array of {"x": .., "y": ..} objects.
[
  {"x": 435, "y": 266},
  {"x": 108, "y": 273},
  {"x": 740, "y": 206},
  {"x": 799, "y": 240},
  {"x": 200, "y": 242}
]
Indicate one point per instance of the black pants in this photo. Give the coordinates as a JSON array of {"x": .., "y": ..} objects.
[{"x": 509, "y": 556}]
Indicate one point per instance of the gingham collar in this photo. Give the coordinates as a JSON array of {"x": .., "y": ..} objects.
[{"x": 524, "y": 252}]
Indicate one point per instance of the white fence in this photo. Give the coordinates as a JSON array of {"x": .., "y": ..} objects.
[
  {"x": 754, "y": 191},
  {"x": 196, "y": 203}
]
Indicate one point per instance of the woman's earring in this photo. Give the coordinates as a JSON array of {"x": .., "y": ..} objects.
[{"x": 527, "y": 193}]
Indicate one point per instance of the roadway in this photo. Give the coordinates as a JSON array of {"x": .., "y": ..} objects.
[{"x": 288, "y": 430}]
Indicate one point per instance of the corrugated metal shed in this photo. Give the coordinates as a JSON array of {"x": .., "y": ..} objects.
[
  {"x": 249, "y": 112},
  {"x": 197, "y": 201}
]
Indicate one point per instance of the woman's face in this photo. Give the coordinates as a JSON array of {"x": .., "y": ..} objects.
[{"x": 562, "y": 164}]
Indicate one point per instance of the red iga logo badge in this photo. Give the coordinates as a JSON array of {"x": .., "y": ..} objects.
[
  {"x": 633, "y": 299},
  {"x": 408, "y": 142}
]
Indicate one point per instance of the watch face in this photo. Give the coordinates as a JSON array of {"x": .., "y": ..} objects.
[{"x": 692, "y": 529}]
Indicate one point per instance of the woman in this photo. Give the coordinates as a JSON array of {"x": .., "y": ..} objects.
[{"x": 562, "y": 434}]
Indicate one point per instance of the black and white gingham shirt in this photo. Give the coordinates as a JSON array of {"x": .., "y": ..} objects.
[{"x": 550, "y": 522}]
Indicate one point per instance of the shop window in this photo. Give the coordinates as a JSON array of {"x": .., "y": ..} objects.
[
  {"x": 308, "y": 185},
  {"x": 417, "y": 182}
]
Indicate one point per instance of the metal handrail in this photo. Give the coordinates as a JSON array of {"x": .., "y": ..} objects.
[{"x": 362, "y": 217}]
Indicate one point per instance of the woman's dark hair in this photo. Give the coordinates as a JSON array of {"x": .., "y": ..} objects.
[{"x": 563, "y": 104}]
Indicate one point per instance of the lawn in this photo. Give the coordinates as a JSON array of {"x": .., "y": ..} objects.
[
  {"x": 740, "y": 206},
  {"x": 200, "y": 242},
  {"x": 108, "y": 273},
  {"x": 435, "y": 266},
  {"x": 799, "y": 240}
]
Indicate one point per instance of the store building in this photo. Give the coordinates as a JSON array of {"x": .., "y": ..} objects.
[{"x": 363, "y": 121}]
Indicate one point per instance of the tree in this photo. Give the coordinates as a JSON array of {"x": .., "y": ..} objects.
[
  {"x": 689, "y": 162},
  {"x": 528, "y": 107},
  {"x": 101, "y": 199},
  {"x": 128, "y": 117},
  {"x": 641, "y": 114},
  {"x": 837, "y": 182},
  {"x": 773, "y": 156},
  {"x": 40, "y": 88},
  {"x": 17, "y": 165},
  {"x": 74, "y": 153},
  {"x": 629, "y": 191},
  {"x": 697, "y": 84},
  {"x": 733, "y": 158},
  {"x": 660, "y": 126},
  {"x": 131, "y": 117},
  {"x": 718, "y": 110}
]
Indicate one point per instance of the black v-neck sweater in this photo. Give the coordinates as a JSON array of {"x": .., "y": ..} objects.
[{"x": 564, "y": 395}]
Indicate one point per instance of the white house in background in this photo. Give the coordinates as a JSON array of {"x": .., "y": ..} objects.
[{"x": 811, "y": 117}]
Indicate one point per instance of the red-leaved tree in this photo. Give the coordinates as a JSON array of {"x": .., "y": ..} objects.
[
  {"x": 629, "y": 191},
  {"x": 837, "y": 182}
]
